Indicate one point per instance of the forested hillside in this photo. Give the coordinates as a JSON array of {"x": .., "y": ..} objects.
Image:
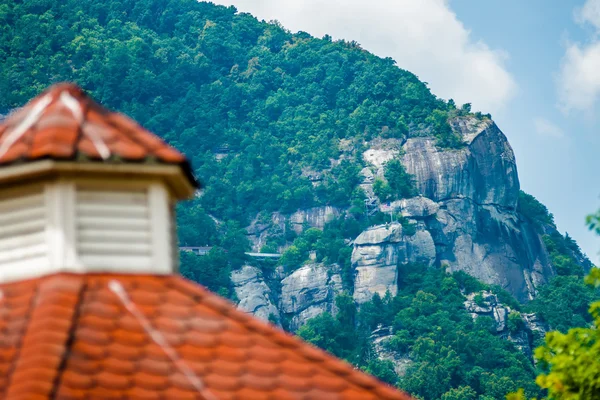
[
  {"x": 212, "y": 82},
  {"x": 275, "y": 122}
]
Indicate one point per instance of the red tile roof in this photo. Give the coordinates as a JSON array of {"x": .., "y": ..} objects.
[
  {"x": 63, "y": 123},
  {"x": 109, "y": 336}
]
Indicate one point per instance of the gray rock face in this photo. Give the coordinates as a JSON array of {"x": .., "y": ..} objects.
[
  {"x": 308, "y": 292},
  {"x": 253, "y": 292},
  {"x": 492, "y": 244},
  {"x": 484, "y": 170},
  {"x": 315, "y": 217},
  {"x": 466, "y": 206},
  {"x": 379, "y": 251},
  {"x": 474, "y": 223},
  {"x": 417, "y": 207},
  {"x": 489, "y": 307}
]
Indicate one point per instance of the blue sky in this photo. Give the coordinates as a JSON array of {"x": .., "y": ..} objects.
[{"x": 534, "y": 65}]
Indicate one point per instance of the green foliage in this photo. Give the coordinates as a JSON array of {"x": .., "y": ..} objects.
[
  {"x": 383, "y": 369},
  {"x": 460, "y": 393},
  {"x": 383, "y": 190},
  {"x": 401, "y": 342},
  {"x": 212, "y": 270},
  {"x": 269, "y": 248},
  {"x": 230, "y": 244},
  {"x": 212, "y": 81},
  {"x": 468, "y": 283},
  {"x": 250, "y": 104},
  {"x": 533, "y": 210},
  {"x": 571, "y": 361},
  {"x": 564, "y": 302},
  {"x": 194, "y": 225},
  {"x": 292, "y": 258},
  {"x": 446, "y": 136},
  {"x": 408, "y": 228},
  {"x": 561, "y": 255},
  {"x": 338, "y": 335},
  {"x": 478, "y": 299},
  {"x": 273, "y": 319},
  {"x": 452, "y": 355},
  {"x": 593, "y": 222},
  {"x": 515, "y": 322},
  {"x": 400, "y": 182}
]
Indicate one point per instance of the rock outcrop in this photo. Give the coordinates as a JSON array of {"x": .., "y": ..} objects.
[
  {"x": 315, "y": 217},
  {"x": 261, "y": 228},
  {"x": 521, "y": 332},
  {"x": 308, "y": 292},
  {"x": 254, "y": 294},
  {"x": 379, "y": 251},
  {"x": 466, "y": 204},
  {"x": 380, "y": 337},
  {"x": 476, "y": 227}
]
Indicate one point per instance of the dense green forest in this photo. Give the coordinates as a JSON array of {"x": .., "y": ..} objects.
[
  {"x": 251, "y": 104},
  {"x": 454, "y": 356},
  {"x": 210, "y": 81},
  {"x": 254, "y": 107}
]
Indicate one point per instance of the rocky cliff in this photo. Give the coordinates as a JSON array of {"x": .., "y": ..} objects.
[
  {"x": 464, "y": 218},
  {"x": 467, "y": 207}
]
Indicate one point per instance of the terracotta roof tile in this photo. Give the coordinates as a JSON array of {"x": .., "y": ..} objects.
[
  {"x": 86, "y": 336},
  {"x": 63, "y": 123}
]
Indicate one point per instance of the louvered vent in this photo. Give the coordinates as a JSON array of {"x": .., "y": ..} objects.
[
  {"x": 113, "y": 229},
  {"x": 23, "y": 233}
]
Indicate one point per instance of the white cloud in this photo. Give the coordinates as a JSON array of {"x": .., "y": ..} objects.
[
  {"x": 579, "y": 77},
  {"x": 578, "y": 80},
  {"x": 543, "y": 127},
  {"x": 590, "y": 13},
  {"x": 423, "y": 36}
]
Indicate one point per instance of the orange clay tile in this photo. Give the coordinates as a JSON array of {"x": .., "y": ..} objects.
[
  {"x": 75, "y": 338},
  {"x": 71, "y": 126}
]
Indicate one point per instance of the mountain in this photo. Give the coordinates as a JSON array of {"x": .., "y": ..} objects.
[{"x": 407, "y": 246}]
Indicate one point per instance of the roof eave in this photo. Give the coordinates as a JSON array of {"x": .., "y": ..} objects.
[{"x": 174, "y": 176}]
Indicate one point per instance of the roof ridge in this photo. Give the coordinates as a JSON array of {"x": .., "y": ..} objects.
[
  {"x": 70, "y": 339},
  {"x": 157, "y": 337},
  {"x": 65, "y": 123},
  {"x": 44, "y": 343}
]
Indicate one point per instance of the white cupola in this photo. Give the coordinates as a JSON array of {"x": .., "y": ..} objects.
[{"x": 85, "y": 190}]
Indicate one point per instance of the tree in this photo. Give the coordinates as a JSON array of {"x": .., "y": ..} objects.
[
  {"x": 446, "y": 136},
  {"x": 383, "y": 190},
  {"x": 571, "y": 360},
  {"x": 400, "y": 181},
  {"x": 460, "y": 393}
]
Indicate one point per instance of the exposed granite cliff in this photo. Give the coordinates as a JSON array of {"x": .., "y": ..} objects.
[
  {"x": 467, "y": 204},
  {"x": 464, "y": 218},
  {"x": 255, "y": 296},
  {"x": 379, "y": 250},
  {"x": 308, "y": 292}
]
